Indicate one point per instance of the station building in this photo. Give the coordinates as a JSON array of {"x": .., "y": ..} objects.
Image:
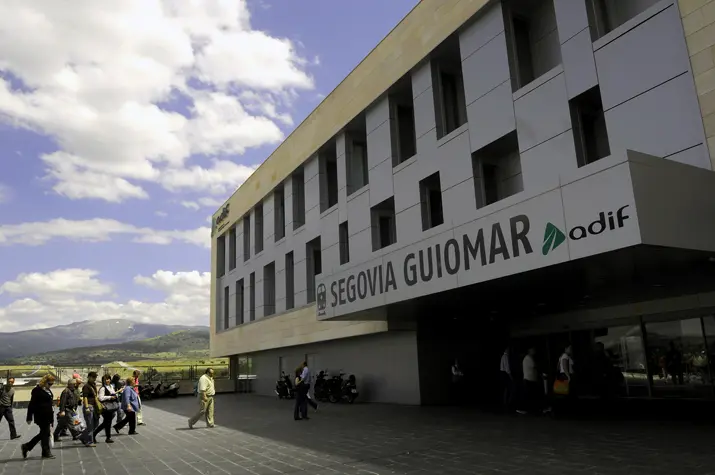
[{"x": 523, "y": 173}]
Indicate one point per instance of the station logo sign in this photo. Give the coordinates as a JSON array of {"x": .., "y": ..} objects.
[
  {"x": 489, "y": 245},
  {"x": 220, "y": 221}
]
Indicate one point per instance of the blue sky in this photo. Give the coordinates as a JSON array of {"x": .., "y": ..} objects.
[{"x": 123, "y": 127}]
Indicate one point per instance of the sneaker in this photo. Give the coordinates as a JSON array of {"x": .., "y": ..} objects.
[
  {"x": 134, "y": 433},
  {"x": 24, "y": 451},
  {"x": 48, "y": 456},
  {"x": 91, "y": 444},
  {"x": 116, "y": 430},
  {"x": 15, "y": 437},
  {"x": 109, "y": 441},
  {"x": 191, "y": 426},
  {"x": 519, "y": 411}
]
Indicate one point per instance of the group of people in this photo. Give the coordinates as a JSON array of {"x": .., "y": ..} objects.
[
  {"x": 111, "y": 398},
  {"x": 302, "y": 393}
]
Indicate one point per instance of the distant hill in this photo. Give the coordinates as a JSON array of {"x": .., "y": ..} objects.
[
  {"x": 15, "y": 346},
  {"x": 182, "y": 344}
]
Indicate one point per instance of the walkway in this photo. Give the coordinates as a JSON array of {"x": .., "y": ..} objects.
[{"x": 258, "y": 436}]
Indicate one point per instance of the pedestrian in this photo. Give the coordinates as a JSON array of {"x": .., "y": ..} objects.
[
  {"x": 131, "y": 405},
  {"x": 457, "y": 382},
  {"x": 300, "y": 411},
  {"x": 135, "y": 385},
  {"x": 533, "y": 400},
  {"x": 507, "y": 380},
  {"x": 110, "y": 404},
  {"x": 306, "y": 378},
  {"x": 118, "y": 386},
  {"x": 41, "y": 411},
  {"x": 91, "y": 413},
  {"x": 67, "y": 412},
  {"x": 7, "y": 398},
  {"x": 206, "y": 399}
]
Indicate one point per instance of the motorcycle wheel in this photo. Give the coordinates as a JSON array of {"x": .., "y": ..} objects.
[
  {"x": 174, "y": 394},
  {"x": 351, "y": 398},
  {"x": 333, "y": 398}
]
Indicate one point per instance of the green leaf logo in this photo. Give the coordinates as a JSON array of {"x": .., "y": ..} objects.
[{"x": 553, "y": 238}]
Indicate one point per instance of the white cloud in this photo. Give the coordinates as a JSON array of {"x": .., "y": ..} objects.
[
  {"x": 57, "y": 283},
  {"x": 186, "y": 300},
  {"x": 97, "y": 230},
  {"x": 205, "y": 202},
  {"x": 98, "y": 79}
]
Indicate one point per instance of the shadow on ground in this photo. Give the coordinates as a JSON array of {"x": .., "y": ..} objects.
[{"x": 395, "y": 439}]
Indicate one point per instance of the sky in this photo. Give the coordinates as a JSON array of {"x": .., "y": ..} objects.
[{"x": 125, "y": 125}]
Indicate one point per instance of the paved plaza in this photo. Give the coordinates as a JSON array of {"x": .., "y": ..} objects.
[{"x": 258, "y": 436}]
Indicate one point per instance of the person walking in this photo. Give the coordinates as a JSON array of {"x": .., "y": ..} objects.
[
  {"x": 131, "y": 406},
  {"x": 118, "y": 386},
  {"x": 206, "y": 399},
  {"x": 300, "y": 411},
  {"x": 135, "y": 385},
  {"x": 507, "y": 380},
  {"x": 67, "y": 412},
  {"x": 305, "y": 376},
  {"x": 91, "y": 413},
  {"x": 110, "y": 404},
  {"x": 40, "y": 410},
  {"x": 7, "y": 398}
]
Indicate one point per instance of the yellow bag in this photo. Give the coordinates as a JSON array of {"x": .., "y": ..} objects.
[{"x": 561, "y": 388}]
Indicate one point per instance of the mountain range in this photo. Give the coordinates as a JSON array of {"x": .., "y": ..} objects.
[{"x": 15, "y": 346}]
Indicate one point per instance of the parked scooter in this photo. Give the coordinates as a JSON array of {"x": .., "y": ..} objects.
[
  {"x": 284, "y": 387},
  {"x": 340, "y": 389},
  {"x": 172, "y": 390},
  {"x": 146, "y": 391},
  {"x": 320, "y": 388}
]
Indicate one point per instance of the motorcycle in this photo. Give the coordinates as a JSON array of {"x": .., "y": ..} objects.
[
  {"x": 340, "y": 389},
  {"x": 350, "y": 392},
  {"x": 146, "y": 391},
  {"x": 284, "y": 387},
  {"x": 172, "y": 390},
  {"x": 320, "y": 389}
]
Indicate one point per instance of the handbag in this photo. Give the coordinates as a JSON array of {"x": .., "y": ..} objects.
[
  {"x": 561, "y": 387},
  {"x": 110, "y": 406}
]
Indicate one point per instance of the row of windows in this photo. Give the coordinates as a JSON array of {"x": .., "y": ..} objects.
[{"x": 533, "y": 50}]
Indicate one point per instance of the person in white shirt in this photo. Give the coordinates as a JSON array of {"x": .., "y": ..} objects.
[
  {"x": 507, "y": 380},
  {"x": 306, "y": 378},
  {"x": 206, "y": 399},
  {"x": 533, "y": 384}
]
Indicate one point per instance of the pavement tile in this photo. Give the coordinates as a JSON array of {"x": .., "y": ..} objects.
[{"x": 257, "y": 436}]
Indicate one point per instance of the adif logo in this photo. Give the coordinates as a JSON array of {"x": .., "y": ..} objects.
[
  {"x": 322, "y": 299},
  {"x": 553, "y": 238}
]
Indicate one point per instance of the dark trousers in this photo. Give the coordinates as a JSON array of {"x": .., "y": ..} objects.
[
  {"x": 6, "y": 412},
  {"x": 310, "y": 401},
  {"x": 533, "y": 396},
  {"x": 107, "y": 418},
  {"x": 507, "y": 386},
  {"x": 87, "y": 436},
  {"x": 301, "y": 404},
  {"x": 130, "y": 417},
  {"x": 65, "y": 424},
  {"x": 43, "y": 438}
]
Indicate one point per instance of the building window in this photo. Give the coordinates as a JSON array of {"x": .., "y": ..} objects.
[
  {"x": 279, "y": 213},
  {"x": 402, "y": 122},
  {"x": 448, "y": 87},
  {"x": 606, "y": 15},
  {"x": 589, "y": 127},
  {"x": 313, "y": 266},
  {"x": 232, "y": 248},
  {"x": 384, "y": 229},
  {"x": 269, "y": 289},
  {"x": 246, "y": 238},
  {"x": 259, "y": 227},
  {"x": 252, "y": 297},
  {"x": 497, "y": 170},
  {"x": 532, "y": 39},
  {"x": 298, "y": 180},
  {"x": 431, "y": 202},
  {"x": 328, "y": 164},
  {"x": 221, "y": 256},
  {"x": 290, "y": 281},
  {"x": 344, "y": 241},
  {"x": 226, "y": 315},
  {"x": 356, "y": 164},
  {"x": 239, "y": 302}
]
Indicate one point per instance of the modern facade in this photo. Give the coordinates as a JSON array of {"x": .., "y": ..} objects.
[{"x": 524, "y": 173}]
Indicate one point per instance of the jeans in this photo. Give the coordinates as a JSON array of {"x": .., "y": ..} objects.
[
  {"x": 301, "y": 403},
  {"x": 87, "y": 436},
  {"x": 6, "y": 412},
  {"x": 130, "y": 417},
  {"x": 43, "y": 438},
  {"x": 107, "y": 418}
]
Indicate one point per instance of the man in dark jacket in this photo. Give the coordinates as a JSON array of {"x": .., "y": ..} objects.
[
  {"x": 7, "y": 398},
  {"x": 66, "y": 414}
]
